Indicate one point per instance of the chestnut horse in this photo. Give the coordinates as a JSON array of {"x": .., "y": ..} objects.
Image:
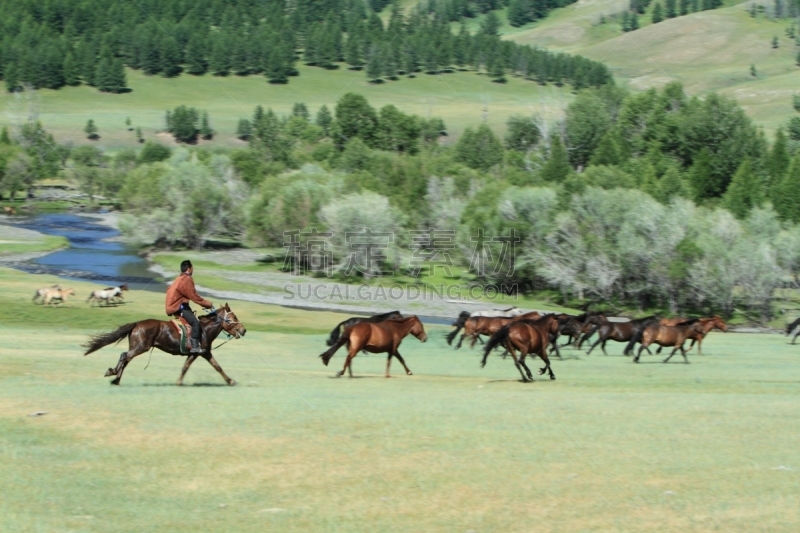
[
  {"x": 148, "y": 334},
  {"x": 527, "y": 336},
  {"x": 669, "y": 336},
  {"x": 475, "y": 326},
  {"x": 383, "y": 337},
  {"x": 335, "y": 332},
  {"x": 708, "y": 323}
]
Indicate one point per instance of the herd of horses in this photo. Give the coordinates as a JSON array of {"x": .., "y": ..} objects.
[{"x": 56, "y": 295}]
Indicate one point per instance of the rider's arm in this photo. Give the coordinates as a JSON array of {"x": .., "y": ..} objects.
[{"x": 191, "y": 293}]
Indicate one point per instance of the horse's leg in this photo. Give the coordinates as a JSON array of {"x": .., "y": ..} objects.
[
  {"x": 213, "y": 362},
  {"x": 639, "y": 353},
  {"x": 555, "y": 348},
  {"x": 516, "y": 363},
  {"x": 671, "y": 354},
  {"x": 598, "y": 341},
  {"x": 126, "y": 358},
  {"x": 683, "y": 353},
  {"x": 186, "y": 365},
  {"x": 115, "y": 370},
  {"x": 543, "y": 355},
  {"x": 402, "y": 362},
  {"x": 522, "y": 355},
  {"x": 388, "y": 363},
  {"x": 659, "y": 350},
  {"x": 603, "y": 347},
  {"x": 461, "y": 341},
  {"x": 352, "y": 351},
  {"x": 699, "y": 346},
  {"x": 795, "y": 336}
]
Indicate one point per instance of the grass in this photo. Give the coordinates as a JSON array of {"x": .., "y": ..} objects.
[
  {"x": 46, "y": 244},
  {"x": 460, "y": 98},
  {"x": 608, "y": 446}
]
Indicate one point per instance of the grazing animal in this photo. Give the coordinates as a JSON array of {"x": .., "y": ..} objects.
[
  {"x": 148, "y": 334},
  {"x": 41, "y": 293},
  {"x": 527, "y": 336},
  {"x": 708, "y": 323},
  {"x": 107, "y": 295},
  {"x": 58, "y": 295},
  {"x": 381, "y": 337},
  {"x": 669, "y": 336},
  {"x": 335, "y": 332},
  {"x": 620, "y": 332}
]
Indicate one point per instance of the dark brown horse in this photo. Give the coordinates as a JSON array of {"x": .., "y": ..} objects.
[
  {"x": 707, "y": 323},
  {"x": 590, "y": 326},
  {"x": 383, "y": 337},
  {"x": 475, "y": 326},
  {"x": 791, "y": 327},
  {"x": 668, "y": 336},
  {"x": 335, "y": 332},
  {"x": 620, "y": 332},
  {"x": 529, "y": 337},
  {"x": 148, "y": 334}
]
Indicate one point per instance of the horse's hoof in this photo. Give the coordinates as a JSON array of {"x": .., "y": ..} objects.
[
  {"x": 409, "y": 373},
  {"x": 179, "y": 383},
  {"x": 232, "y": 382},
  {"x": 339, "y": 374},
  {"x": 552, "y": 377},
  {"x": 115, "y": 381},
  {"x": 109, "y": 372},
  {"x": 664, "y": 361}
]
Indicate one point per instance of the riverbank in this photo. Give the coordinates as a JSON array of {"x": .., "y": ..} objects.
[{"x": 18, "y": 245}]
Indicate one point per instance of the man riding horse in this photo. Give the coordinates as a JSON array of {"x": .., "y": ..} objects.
[{"x": 179, "y": 294}]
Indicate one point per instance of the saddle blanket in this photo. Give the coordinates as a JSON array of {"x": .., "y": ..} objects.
[{"x": 185, "y": 329}]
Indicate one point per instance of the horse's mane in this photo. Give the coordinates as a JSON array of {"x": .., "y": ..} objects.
[{"x": 689, "y": 322}]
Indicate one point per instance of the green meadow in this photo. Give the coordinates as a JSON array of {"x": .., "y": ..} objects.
[
  {"x": 462, "y": 99},
  {"x": 608, "y": 446}
]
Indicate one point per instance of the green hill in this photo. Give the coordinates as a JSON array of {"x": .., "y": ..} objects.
[
  {"x": 707, "y": 51},
  {"x": 460, "y": 98}
]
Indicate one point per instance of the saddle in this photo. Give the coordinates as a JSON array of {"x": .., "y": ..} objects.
[{"x": 185, "y": 330}]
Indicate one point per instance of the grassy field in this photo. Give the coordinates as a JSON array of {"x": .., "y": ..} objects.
[
  {"x": 608, "y": 446},
  {"x": 460, "y": 98}
]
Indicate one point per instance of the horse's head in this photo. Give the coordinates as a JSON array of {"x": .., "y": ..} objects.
[
  {"x": 717, "y": 322},
  {"x": 596, "y": 319},
  {"x": 230, "y": 322},
  {"x": 68, "y": 292},
  {"x": 418, "y": 330}
]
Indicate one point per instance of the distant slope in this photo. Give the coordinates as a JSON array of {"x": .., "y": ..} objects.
[{"x": 706, "y": 51}]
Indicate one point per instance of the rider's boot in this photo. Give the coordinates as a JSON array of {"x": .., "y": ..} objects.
[{"x": 194, "y": 347}]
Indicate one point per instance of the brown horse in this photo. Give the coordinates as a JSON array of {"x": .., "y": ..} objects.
[
  {"x": 335, "y": 332},
  {"x": 475, "y": 326},
  {"x": 668, "y": 336},
  {"x": 529, "y": 337},
  {"x": 708, "y": 323},
  {"x": 383, "y": 337},
  {"x": 621, "y": 332},
  {"x": 148, "y": 334}
]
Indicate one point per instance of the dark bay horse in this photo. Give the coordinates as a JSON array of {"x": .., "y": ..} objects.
[
  {"x": 475, "y": 326},
  {"x": 791, "y": 327},
  {"x": 383, "y": 337},
  {"x": 335, "y": 332},
  {"x": 620, "y": 332},
  {"x": 667, "y": 336},
  {"x": 529, "y": 337},
  {"x": 148, "y": 334}
]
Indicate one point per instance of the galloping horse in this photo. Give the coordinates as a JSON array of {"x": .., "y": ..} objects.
[
  {"x": 108, "y": 294},
  {"x": 620, "y": 332},
  {"x": 335, "y": 332},
  {"x": 527, "y": 336},
  {"x": 511, "y": 312},
  {"x": 481, "y": 325},
  {"x": 708, "y": 323},
  {"x": 57, "y": 295},
  {"x": 669, "y": 336},
  {"x": 791, "y": 327},
  {"x": 382, "y": 337},
  {"x": 41, "y": 293},
  {"x": 148, "y": 334}
]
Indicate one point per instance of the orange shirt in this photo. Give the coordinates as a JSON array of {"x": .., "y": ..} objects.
[{"x": 182, "y": 291}]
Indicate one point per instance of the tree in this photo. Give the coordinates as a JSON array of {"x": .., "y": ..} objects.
[
  {"x": 91, "y": 130},
  {"x": 491, "y": 25},
  {"x": 778, "y": 161},
  {"x": 587, "y": 121},
  {"x": 557, "y": 167},
  {"x": 153, "y": 153},
  {"x": 658, "y": 13},
  {"x": 182, "y": 123},
  {"x": 324, "y": 119},
  {"x": 671, "y": 185},
  {"x": 116, "y": 81},
  {"x": 775, "y": 42},
  {"x": 139, "y": 136},
  {"x": 244, "y": 129},
  {"x": 669, "y": 9},
  {"x": 744, "y": 192},
  {"x": 356, "y": 118},
  {"x": 607, "y": 151},
  {"x": 196, "y": 62},
  {"x": 794, "y": 128},
  {"x": 205, "y": 127},
  {"x": 753, "y": 71},
  {"x": 71, "y": 76},
  {"x": 634, "y": 22},
  {"x": 523, "y": 133},
  {"x": 374, "y": 66},
  {"x": 11, "y": 76},
  {"x": 300, "y": 110},
  {"x": 479, "y": 149},
  {"x": 796, "y": 102},
  {"x": 170, "y": 58},
  {"x": 787, "y": 193}
]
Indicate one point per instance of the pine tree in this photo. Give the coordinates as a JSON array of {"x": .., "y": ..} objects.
[
  {"x": 205, "y": 127},
  {"x": 139, "y": 136},
  {"x": 12, "y": 77},
  {"x": 353, "y": 53},
  {"x": 797, "y": 59},
  {"x": 116, "y": 78},
  {"x": 4, "y": 137},
  {"x": 669, "y": 9},
  {"x": 753, "y": 71},
  {"x": 700, "y": 176},
  {"x": 196, "y": 55},
  {"x": 374, "y": 69},
  {"x": 607, "y": 151},
  {"x": 91, "y": 130},
  {"x": 634, "y": 22},
  {"x": 244, "y": 129},
  {"x": 744, "y": 191},
  {"x": 658, "y": 13},
  {"x": 557, "y": 167},
  {"x": 684, "y": 7},
  {"x": 626, "y": 21},
  {"x": 778, "y": 162},
  {"x": 102, "y": 75},
  {"x": 219, "y": 63},
  {"x": 497, "y": 69},
  {"x": 786, "y": 197},
  {"x": 672, "y": 185},
  {"x": 71, "y": 71},
  {"x": 170, "y": 58},
  {"x": 775, "y": 42},
  {"x": 324, "y": 119}
]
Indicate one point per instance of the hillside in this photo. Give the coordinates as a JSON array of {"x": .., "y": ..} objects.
[
  {"x": 706, "y": 51},
  {"x": 459, "y": 98}
]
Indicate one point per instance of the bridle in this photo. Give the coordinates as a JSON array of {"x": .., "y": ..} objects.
[{"x": 227, "y": 320}]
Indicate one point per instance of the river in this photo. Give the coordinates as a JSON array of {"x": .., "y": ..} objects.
[{"x": 94, "y": 254}]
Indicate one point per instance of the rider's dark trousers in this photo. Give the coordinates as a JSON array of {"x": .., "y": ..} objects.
[{"x": 187, "y": 314}]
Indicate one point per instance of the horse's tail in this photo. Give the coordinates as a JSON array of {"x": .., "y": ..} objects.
[
  {"x": 326, "y": 356},
  {"x": 497, "y": 339},
  {"x": 791, "y": 326},
  {"x": 90, "y": 298},
  {"x": 460, "y": 323},
  {"x": 104, "y": 339},
  {"x": 334, "y": 336}
]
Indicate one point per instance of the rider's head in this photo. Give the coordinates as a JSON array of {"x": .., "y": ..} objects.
[{"x": 186, "y": 267}]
